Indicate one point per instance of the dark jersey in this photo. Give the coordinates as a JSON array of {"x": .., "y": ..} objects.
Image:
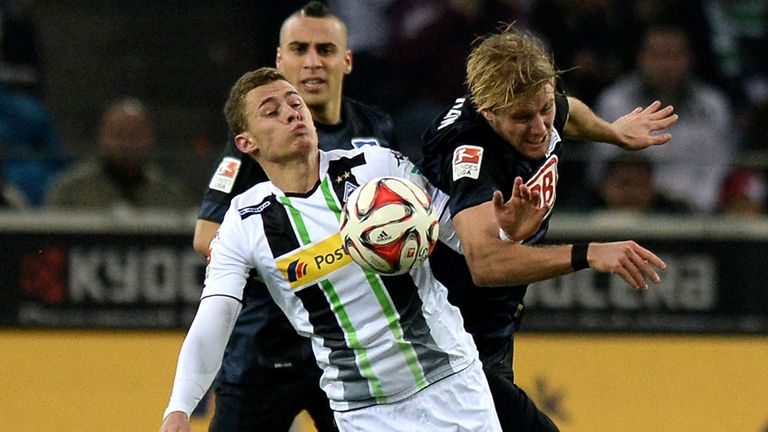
[
  {"x": 263, "y": 340},
  {"x": 465, "y": 158}
]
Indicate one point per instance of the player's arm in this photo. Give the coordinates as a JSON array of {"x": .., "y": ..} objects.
[
  {"x": 495, "y": 262},
  {"x": 205, "y": 230},
  {"x": 200, "y": 358},
  {"x": 633, "y": 131},
  {"x": 203, "y": 348}
]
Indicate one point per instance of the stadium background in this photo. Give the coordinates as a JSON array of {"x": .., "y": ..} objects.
[{"x": 103, "y": 359}]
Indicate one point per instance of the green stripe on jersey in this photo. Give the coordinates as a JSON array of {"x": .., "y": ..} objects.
[
  {"x": 365, "y": 365},
  {"x": 297, "y": 219},
  {"x": 393, "y": 321},
  {"x": 330, "y": 198}
]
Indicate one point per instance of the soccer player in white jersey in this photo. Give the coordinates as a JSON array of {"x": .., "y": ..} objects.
[{"x": 394, "y": 353}]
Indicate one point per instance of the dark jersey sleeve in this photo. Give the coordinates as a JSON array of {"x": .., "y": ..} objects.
[
  {"x": 235, "y": 173},
  {"x": 467, "y": 191}
]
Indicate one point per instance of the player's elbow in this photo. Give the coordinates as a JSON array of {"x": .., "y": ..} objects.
[
  {"x": 479, "y": 268},
  {"x": 205, "y": 231},
  {"x": 201, "y": 245},
  {"x": 481, "y": 280}
]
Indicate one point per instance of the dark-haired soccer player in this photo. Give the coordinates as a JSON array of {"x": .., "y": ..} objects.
[
  {"x": 269, "y": 373},
  {"x": 394, "y": 353}
]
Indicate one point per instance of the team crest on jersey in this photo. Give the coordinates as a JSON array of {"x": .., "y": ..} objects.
[
  {"x": 307, "y": 265},
  {"x": 349, "y": 187},
  {"x": 367, "y": 141},
  {"x": 224, "y": 177},
  {"x": 466, "y": 162},
  {"x": 545, "y": 181}
]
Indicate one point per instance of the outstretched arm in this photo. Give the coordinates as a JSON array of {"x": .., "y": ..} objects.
[
  {"x": 633, "y": 131},
  {"x": 200, "y": 358},
  {"x": 495, "y": 262}
]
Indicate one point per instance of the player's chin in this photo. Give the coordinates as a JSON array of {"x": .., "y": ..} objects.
[
  {"x": 316, "y": 97},
  {"x": 535, "y": 152}
]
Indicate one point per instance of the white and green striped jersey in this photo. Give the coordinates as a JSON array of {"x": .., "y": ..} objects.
[{"x": 378, "y": 339}]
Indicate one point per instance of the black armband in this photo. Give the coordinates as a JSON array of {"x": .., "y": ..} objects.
[{"x": 579, "y": 256}]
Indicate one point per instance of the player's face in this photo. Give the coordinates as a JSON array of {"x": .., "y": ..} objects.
[
  {"x": 313, "y": 55},
  {"x": 527, "y": 125},
  {"x": 280, "y": 126}
]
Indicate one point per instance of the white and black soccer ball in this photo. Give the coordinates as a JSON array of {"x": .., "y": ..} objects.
[{"x": 388, "y": 226}]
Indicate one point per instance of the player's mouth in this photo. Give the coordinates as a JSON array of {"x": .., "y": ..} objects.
[
  {"x": 313, "y": 84},
  {"x": 300, "y": 129},
  {"x": 535, "y": 143}
]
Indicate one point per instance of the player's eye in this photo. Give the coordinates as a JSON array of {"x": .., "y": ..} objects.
[
  {"x": 326, "y": 49},
  {"x": 521, "y": 118}
]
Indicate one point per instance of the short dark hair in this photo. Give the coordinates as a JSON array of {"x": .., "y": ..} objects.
[
  {"x": 314, "y": 9},
  {"x": 234, "y": 108}
]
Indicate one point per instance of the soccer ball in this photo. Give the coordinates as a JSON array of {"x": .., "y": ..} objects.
[{"x": 388, "y": 226}]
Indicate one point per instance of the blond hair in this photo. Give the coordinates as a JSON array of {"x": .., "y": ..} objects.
[
  {"x": 234, "y": 108},
  {"x": 507, "y": 66}
]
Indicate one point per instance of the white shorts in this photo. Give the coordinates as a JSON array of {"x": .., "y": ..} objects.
[{"x": 459, "y": 403}]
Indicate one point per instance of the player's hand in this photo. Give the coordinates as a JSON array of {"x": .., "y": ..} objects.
[
  {"x": 176, "y": 421},
  {"x": 627, "y": 259},
  {"x": 522, "y": 215},
  {"x": 636, "y": 129}
]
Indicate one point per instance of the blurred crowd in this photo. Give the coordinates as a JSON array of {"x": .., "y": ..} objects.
[{"x": 707, "y": 58}]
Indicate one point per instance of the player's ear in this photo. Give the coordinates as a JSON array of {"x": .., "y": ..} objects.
[
  {"x": 348, "y": 62},
  {"x": 244, "y": 143},
  {"x": 487, "y": 114},
  {"x": 278, "y": 58}
]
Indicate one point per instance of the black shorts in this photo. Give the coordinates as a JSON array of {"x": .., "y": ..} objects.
[
  {"x": 270, "y": 407},
  {"x": 515, "y": 409}
]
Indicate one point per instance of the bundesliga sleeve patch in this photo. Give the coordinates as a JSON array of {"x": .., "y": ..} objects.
[
  {"x": 466, "y": 162},
  {"x": 224, "y": 178}
]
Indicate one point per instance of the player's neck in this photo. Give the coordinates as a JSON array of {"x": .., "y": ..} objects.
[
  {"x": 294, "y": 176},
  {"x": 329, "y": 113}
]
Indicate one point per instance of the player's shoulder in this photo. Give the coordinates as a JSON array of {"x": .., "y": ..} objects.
[
  {"x": 366, "y": 161},
  {"x": 459, "y": 118},
  {"x": 253, "y": 201},
  {"x": 459, "y": 124},
  {"x": 369, "y": 111},
  {"x": 368, "y": 153}
]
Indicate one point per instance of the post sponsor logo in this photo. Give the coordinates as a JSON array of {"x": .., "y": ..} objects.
[{"x": 312, "y": 263}]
